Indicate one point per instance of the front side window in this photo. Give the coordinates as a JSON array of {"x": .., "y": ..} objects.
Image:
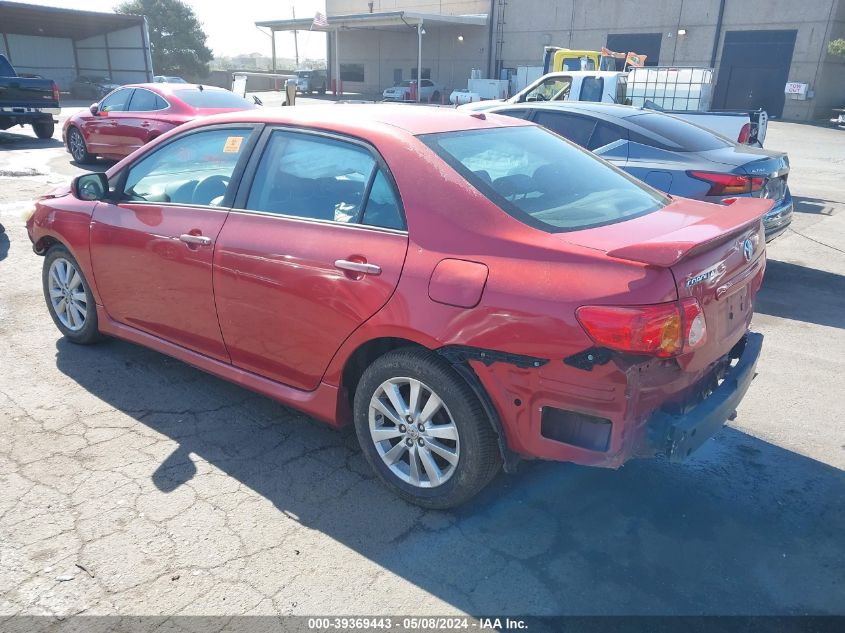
[
  {"x": 194, "y": 169},
  {"x": 116, "y": 101},
  {"x": 321, "y": 178},
  {"x": 543, "y": 181},
  {"x": 551, "y": 89}
]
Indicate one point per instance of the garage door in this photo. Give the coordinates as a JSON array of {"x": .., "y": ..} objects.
[{"x": 754, "y": 70}]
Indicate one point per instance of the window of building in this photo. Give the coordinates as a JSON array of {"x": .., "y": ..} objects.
[
  {"x": 352, "y": 72},
  {"x": 426, "y": 73}
]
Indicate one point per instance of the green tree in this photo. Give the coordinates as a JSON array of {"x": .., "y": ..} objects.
[
  {"x": 177, "y": 40},
  {"x": 836, "y": 47}
]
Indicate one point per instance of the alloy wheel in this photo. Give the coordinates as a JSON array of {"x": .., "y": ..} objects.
[
  {"x": 77, "y": 145},
  {"x": 414, "y": 433},
  {"x": 67, "y": 294}
]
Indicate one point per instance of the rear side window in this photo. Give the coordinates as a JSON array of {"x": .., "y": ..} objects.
[
  {"x": 382, "y": 206},
  {"x": 208, "y": 98},
  {"x": 592, "y": 88},
  {"x": 577, "y": 129},
  {"x": 605, "y": 134},
  {"x": 517, "y": 113},
  {"x": 675, "y": 134},
  {"x": 146, "y": 101},
  {"x": 311, "y": 176},
  {"x": 542, "y": 180}
]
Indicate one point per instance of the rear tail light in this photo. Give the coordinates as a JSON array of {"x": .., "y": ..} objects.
[
  {"x": 56, "y": 93},
  {"x": 663, "y": 329},
  {"x": 744, "y": 134},
  {"x": 727, "y": 184}
]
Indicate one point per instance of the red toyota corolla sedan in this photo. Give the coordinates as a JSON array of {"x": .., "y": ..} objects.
[
  {"x": 134, "y": 115},
  {"x": 467, "y": 289}
]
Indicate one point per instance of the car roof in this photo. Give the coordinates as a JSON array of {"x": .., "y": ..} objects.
[
  {"x": 612, "y": 110},
  {"x": 169, "y": 89},
  {"x": 349, "y": 118}
]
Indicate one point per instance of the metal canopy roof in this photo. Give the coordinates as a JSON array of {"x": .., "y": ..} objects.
[
  {"x": 394, "y": 20},
  {"x": 30, "y": 19}
]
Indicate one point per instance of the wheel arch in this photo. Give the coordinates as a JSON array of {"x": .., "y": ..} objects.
[{"x": 367, "y": 352}]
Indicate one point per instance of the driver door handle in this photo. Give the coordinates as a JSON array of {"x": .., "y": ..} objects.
[
  {"x": 358, "y": 267},
  {"x": 195, "y": 239}
]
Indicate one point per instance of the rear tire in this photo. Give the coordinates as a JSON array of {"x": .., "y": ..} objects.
[
  {"x": 68, "y": 296},
  {"x": 77, "y": 148},
  {"x": 44, "y": 130},
  {"x": 433, "y": 453},
  {"x": 435, "y": 97}
]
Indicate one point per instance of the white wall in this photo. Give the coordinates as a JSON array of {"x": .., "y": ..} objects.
[
  {"x": 449, "y": 59},
  {"x": 51, "y": 57}
]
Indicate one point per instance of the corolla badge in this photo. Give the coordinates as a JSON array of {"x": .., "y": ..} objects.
[
  {"x": 748, "y": 249},
  {"x": 712, "y": 275}
]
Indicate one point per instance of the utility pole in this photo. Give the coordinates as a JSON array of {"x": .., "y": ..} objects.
[{"x": 295, "y": 42}]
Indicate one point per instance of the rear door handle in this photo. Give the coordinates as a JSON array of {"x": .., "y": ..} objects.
[
  {"x": 358, "y": 267},
  {"x": 195, "y": 239}
]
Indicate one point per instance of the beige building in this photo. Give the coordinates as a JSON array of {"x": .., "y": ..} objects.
[{"x": 756, "y": 46}]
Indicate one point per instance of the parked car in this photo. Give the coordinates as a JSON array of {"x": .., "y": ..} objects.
[
  {"x": 168, "y": 79},
  {"x": 466, "y": 289},
  {"x": 134, "y": 115},
  {"x": 92, "y": 87},
  {"x": 429, "y": 91},
  {"x": 671, "y": 154},
  {"x": 27, "y": 101},
  {"x": 614, "y": 87},
  {"x": 311, "y": 81}
]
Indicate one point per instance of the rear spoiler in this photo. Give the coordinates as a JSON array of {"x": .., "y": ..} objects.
[{"x": 667, "y": 250}]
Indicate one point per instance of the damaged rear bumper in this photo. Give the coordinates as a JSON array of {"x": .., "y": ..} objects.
[{"x": 678, "y": 435}]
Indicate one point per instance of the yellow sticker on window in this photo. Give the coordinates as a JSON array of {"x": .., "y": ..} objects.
[{"x": 233, "y": 144}]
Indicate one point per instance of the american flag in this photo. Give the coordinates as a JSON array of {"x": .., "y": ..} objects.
[{"x": 320, "y": 19}]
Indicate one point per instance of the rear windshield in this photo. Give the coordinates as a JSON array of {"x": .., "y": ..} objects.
[
  {"x": 678, "y": 135},
  {"x": 212, "y": 99},
  {"x": 543, "y": 180}
]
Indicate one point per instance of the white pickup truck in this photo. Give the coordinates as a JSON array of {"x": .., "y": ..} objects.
[{"x": 682, "y": 92}]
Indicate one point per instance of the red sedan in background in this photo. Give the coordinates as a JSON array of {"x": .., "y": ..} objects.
[
  {"x": 466, "y": 289},
  {"x": 133, "y": 115}
]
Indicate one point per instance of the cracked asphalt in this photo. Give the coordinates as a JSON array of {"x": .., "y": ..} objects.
[{"x": 133, "y": 484}]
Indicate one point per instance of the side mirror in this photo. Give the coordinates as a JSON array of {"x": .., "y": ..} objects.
[
  {"x": 257, "y": 101},
  {"x": 92, "y": 186},
  {"x": 95, "y": 108}
]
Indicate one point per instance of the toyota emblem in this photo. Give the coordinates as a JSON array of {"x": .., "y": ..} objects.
[{"x": 748, "y": 249}]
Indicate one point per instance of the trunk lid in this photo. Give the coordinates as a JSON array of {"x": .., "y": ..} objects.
[{"x": 716, "y": 253}]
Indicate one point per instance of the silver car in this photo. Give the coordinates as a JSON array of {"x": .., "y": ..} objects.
[{"x": 429, "y": 91}]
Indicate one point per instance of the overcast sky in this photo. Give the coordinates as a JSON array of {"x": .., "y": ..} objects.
[{"x": 230, "y": 26}]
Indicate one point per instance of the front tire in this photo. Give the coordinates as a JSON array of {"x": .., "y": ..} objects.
[
  {"x": 77, "y": 148},
  {"x": 423, "y": 430},
  {"x": 68, "y": 296},
  {"x": 44, "y": 130}
]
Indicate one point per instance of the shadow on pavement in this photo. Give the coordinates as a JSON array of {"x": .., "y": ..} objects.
[
  {"x": 792, "y": 291},
  {"x": 815, "y": 206},
  {"x": 10, "y": 141},
  {"x": 744, "y": 527}
]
